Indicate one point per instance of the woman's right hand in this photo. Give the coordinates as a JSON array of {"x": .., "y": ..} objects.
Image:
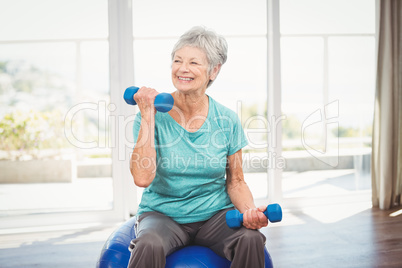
[{"x": 145, "y": 98}]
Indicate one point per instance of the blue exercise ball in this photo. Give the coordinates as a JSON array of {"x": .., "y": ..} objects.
[{"x": 115, "y": 253}]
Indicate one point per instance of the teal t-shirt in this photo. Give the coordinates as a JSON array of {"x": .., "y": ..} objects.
[{"x": 190, "y": 180}]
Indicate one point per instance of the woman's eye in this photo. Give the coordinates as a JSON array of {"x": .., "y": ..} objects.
[{"x": 194, "y": 62}]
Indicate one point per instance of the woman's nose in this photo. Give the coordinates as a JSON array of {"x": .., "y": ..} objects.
[{"x": 184, "y": 67}]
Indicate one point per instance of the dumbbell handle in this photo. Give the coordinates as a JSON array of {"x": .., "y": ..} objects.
[
  {"x": 163, "y": 101},
  {"x": 234, "y": 218}
]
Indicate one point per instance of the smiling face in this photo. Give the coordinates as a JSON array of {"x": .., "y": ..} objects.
[{"x": 190, "y": 70}]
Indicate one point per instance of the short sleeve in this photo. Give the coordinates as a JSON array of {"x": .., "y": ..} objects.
[{"x": 238, "y": 138}]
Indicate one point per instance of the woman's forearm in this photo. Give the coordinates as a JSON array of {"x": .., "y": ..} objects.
[
  {"x": 237, "y": 188},
  {"x": 241, "y": 196},
  {"x": 143, "y": 158}
]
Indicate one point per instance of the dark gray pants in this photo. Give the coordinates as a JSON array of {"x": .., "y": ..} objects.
[{"x": 158, "y": 236}]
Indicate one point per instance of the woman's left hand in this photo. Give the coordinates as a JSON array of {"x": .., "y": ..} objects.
[{"x": 254, "y": 218}]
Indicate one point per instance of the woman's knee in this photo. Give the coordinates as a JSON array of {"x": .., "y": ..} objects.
[
  {"x": 147, "y": 251},
  {"x": 150, "y": 242},
  {"x": 252, "y": 237}
]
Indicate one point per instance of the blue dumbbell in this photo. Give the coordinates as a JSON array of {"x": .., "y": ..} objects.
[
  {"x": 234, "y": 218},
  {"x": 163, "y": 101}
]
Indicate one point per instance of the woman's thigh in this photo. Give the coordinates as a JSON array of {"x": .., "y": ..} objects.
[{"x": 155, "y": 227}]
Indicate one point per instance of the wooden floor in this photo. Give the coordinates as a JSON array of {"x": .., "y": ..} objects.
[
  {"x": 352, "y": 235},
  {"x": 337, "y": 236}
]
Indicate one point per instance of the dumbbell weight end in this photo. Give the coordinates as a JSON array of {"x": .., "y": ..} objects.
[
  {"x": 234, "y": 218},
  {"x": 163, "y": 101}
]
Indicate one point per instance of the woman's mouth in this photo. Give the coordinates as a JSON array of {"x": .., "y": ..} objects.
[{"x": 185, "y": 78}]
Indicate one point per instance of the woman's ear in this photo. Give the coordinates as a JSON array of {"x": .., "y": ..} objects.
[{"x": 215, "y": 72}]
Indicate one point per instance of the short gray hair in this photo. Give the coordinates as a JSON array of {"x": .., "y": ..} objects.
[{"x": 214, "y": 45}]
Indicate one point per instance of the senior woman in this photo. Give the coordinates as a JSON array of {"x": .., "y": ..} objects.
[{"x": 189, "y": 161}]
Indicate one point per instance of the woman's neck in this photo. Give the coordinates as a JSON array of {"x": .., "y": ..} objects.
[{"x": 191, "y": 104}]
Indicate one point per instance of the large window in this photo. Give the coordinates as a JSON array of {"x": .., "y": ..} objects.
[
  {"x": 328, "y": 78},
  {"x": 54, "y": 86}
]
